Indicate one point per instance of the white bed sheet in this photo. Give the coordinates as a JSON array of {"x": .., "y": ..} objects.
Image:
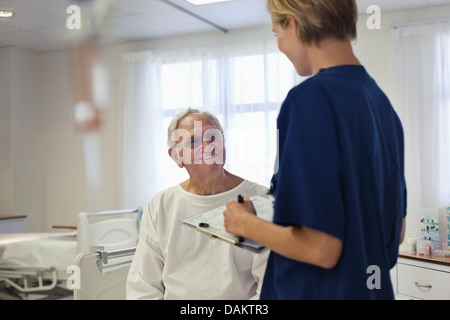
[{"x": 39, "y": 249}]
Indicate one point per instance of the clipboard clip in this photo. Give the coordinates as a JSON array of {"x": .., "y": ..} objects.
[{"x": 203, "y": 227}]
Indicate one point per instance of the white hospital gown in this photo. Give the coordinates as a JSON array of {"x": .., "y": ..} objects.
[{"x": 173, "y": 261}]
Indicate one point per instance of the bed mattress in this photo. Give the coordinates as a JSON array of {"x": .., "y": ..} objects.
[{"x": 38, "y": 249}]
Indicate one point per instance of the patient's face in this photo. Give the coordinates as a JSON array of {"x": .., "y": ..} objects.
[{"x": 200, "y": 145}]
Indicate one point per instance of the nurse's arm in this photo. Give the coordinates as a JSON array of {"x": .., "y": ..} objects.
[
  {"x": 296, "y": 242},
  {"x": 402, "y": 235}
]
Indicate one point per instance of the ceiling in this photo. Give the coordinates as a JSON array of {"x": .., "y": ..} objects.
[{"x": 41, "y": 25}]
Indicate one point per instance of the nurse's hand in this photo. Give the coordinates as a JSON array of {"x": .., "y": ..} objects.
[{"x": 237, "y": 216}]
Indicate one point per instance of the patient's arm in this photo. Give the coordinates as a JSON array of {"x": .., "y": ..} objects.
[
  {"x": 258, "y": 270},
  {"x": 145, "y": 276}
]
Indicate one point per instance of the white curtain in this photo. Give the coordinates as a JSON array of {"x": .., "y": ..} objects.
[
  {"x": 140, "y": 123},
  {"x": 420, "y": 74},
  {"x": 243, "y": 85}
]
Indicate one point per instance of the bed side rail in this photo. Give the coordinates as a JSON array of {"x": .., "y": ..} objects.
[
  {"x": 114, "y": 212},
  {"x": 121, "y": 257}
]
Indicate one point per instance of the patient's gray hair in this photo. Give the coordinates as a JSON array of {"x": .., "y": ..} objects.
[{"x": 174, "y": 123}]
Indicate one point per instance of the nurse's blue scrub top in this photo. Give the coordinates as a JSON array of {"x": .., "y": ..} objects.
[{"x": 341, "y": 171}]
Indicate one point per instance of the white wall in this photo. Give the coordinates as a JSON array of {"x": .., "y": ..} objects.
[
  {"x": 27, "y": 159},
  {"x": 42, "y": 170},
  {"x": 64, "y": 182},
  {"x": 6, "y": 179},
  {"x": 65, "y": 167},
  {"x": 21, "y": 157}
]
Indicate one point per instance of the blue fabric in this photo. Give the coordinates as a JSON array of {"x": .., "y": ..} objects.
[{"x": 341, "y": 171}]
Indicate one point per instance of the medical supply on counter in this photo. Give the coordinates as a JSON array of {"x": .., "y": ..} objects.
[
  {"x": 424, "y": 248},
  {"x": 412, "y": 245},
  {"x": 442, "y": 253}
]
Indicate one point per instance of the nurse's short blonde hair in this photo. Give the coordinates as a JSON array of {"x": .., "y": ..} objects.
[
  {"x": 174, "y": 123},
  {"x": 317, "y": 19}
]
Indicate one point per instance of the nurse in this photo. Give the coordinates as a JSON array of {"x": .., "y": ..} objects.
[{"x": 340, "y": 194}]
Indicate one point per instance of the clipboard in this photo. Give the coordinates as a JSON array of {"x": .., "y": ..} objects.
[{"x": 212, "y": 223}]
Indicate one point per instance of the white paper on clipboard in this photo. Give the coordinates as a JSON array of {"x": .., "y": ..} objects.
[{"x": 215, "y": 222}]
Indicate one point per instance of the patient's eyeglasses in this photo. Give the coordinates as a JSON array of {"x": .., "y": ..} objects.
[{"x": 196, "y": 141}]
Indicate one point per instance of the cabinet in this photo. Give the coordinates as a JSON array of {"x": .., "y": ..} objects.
[
  {"x": 422, "y": 277},
  {"x": 13, "y": 224}
]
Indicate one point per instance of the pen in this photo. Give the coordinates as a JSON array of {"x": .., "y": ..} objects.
[
  {"x": 203, "y": 227},
  {"x": 240, "y": 200}
]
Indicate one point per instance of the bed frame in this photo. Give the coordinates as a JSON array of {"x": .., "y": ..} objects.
[
  {"x": 96, "y": 232},
  {"x": 102, "y": 275}
]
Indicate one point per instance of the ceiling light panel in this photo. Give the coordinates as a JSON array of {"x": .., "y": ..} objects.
[
  {"x": 203, "y": 2},
  {"x": 6, "y": 13}
]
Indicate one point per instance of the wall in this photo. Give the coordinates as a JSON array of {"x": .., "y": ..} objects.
[
  {"x": 6, "y": 179},
  {"x": 20, "y": 143},
  {"x": 64, "y": 182},
  {"x": 41, "y": 156},
  {"x": 65, "y": 166},
  {"x": 27, "y": 159}
]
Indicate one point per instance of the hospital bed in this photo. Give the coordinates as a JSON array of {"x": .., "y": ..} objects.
[{"x": 42, "y": 263}]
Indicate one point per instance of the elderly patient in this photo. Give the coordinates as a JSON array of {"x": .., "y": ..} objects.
[{"x": 173, "y": 261}]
